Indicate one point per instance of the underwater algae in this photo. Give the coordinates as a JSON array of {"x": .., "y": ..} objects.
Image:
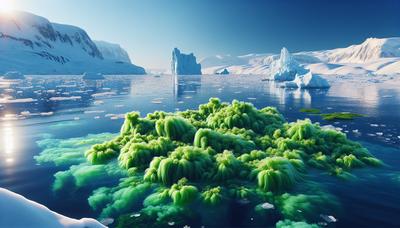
[{"x": 179, "y": 164}]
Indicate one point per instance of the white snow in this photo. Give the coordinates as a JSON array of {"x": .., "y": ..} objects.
[
  {"x": 377, "y": 56},
  {"x": 113, "y": 52},
  {"x": 285, "y": 68},
  {"x": 310, "y": 80},
  {"x": 33, "y": 45},
  {"x": 184, "y": 64},
  {"x": 17, "y": 211}
]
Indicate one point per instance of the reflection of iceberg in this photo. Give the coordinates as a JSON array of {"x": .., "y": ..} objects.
[
  {"x": 17, "y": 211},
  {"x": 186, "y": 85},
  {"x": 286, "y": 96}
]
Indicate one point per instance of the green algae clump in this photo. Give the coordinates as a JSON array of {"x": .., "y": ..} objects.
[
  {"x": 340, "y": 116},
  {"x": 220, "y": 153},
  {"x": 310, "y": 110}
]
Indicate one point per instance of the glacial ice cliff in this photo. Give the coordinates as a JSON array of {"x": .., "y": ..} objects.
[
  {"x": 285, "y": 68},
  {"x": 184, "y": 64}
]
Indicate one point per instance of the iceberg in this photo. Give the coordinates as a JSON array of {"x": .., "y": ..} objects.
[
  {"x": 13, "y": 75},
  {"x": 306, "y": 81},
  {"x": 225, "y": 71},
  {"x": 184, "y": 64},
  {"x": 17, "y": 211},
  {"x": 92, "y": 76},
  {"x": 286, "y": 67}
]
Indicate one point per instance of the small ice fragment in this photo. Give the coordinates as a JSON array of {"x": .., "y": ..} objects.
[
  {"x": 398, "y": 136},
  {"x": 251, "y": 98},
  {"x": 135, "y": 215},
  {"x": 186, "y": 226},
  {"x": 374, "y": 125},
  {"x": 369, "y": 134},
  {"x": 171, "y": 223},
  {"x": 328, "y": 218},
  {"x": 188, "y": 97},
  {"x": 97, "y": 117},
  {"x": 46, "y": 113},
  {"x": 76, "y": 118},
  {"x": 107, "y": 221},
  {"x": 355, "y": 131},
  {"x": 267, "y": 206},
  {"x": 25, "y": 113},
  {"x": 379, "y": 133},
  {"x": 156, "y": 101}
]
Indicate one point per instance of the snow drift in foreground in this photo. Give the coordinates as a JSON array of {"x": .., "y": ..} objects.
[
  {"x": 374, "y": 55},
  {"x": 17, "y": 211},
  {"x": 184, "y": 64},
  {"x": 33, "y": 45}
]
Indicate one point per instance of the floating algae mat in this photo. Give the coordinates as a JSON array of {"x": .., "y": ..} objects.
[
  {"x": 310, "y": 110},
  {"x": 340, "y": 116},
  {"x": 199, "y": 166}
]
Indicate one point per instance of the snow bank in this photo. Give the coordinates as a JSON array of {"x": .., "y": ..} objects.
[
  {"x": 17, "y": 211},
  {"x": 285, "y": 68}
]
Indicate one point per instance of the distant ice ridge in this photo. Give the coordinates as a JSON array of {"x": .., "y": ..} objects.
[
  {"x": 17, "y": 211},
  {"x": 373, "y": 56},
  {"x": 33, "y": 45},
  {"x": 184, "y": 64},
  {"x": 286, "y": 67},
  {"x": 13, "y": 75}
]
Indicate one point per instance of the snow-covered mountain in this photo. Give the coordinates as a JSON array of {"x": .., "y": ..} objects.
[
  {"x": 33, "y": 45},
  {"x": 378, "y": 56},
  {"x": 113, "y": 52}
]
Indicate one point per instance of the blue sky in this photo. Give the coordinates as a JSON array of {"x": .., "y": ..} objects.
[{"x": 150, "y": 29}]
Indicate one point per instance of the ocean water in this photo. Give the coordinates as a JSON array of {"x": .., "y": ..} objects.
[{"x": 65, "y": 107}]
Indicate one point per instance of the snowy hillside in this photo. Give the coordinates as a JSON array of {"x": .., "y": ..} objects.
[
  {"x": 378, "y": 56},
  {"x": 17, "y": 211},
  {"x": 113, "y": 52},
  {"x": 33, "y": 45}
]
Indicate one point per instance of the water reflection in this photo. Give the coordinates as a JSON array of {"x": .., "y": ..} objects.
[
  {"x": 186, "y": 85},
  {"x": 8, "y": 145}
]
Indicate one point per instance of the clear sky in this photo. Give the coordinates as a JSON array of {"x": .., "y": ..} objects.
[{"x": 150, "y": 29}]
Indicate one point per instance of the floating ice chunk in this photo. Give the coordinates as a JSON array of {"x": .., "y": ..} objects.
[
  {"x": 65, "y": 98},
  {"x": 267, "y": 206},
  {"x": 46, "y": 113},
  {"x": 379, "y": 133},
  {"x": 171, "y": 223},
  {"x": 183, "y": 64},
  {"x": 374, "y": 125},
  {"x": 285, "y": 68},
  {"x": 107, "y": 221},
  {"x": 310, "y": 80},
  {"x": 21, "y": 100},
  {"x": 104, "y": 94},
  {"x": 328, "y": 218}
]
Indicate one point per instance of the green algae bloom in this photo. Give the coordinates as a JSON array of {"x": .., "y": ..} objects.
[
  {"x": 340, "y": 116},
  {"x": 310, "y": 110},
  {"x": 219, "y": 153}
]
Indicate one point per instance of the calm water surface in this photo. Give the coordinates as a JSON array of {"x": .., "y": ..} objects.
[{"x": 66, "y": 106}]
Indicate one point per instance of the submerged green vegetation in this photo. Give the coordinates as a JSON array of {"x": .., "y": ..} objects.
[{"x": 176, "y": 167}]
